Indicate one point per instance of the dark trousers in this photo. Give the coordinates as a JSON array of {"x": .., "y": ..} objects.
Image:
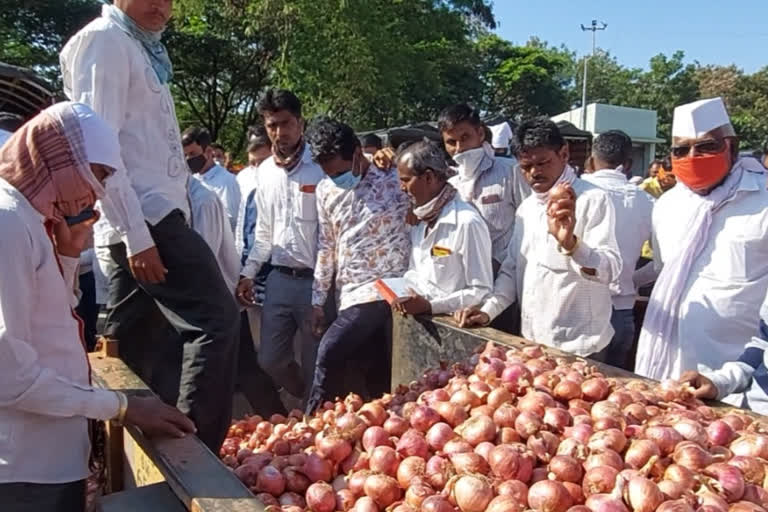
[
  {"x": 362, "y": 334},
  {"x": 87, "y": 309},
  {"x": 195, "y": 300},
  {"x": 24, "y": 497},
  {"x": 620, "y": 348},
  {"x": 252, "y": 381}
]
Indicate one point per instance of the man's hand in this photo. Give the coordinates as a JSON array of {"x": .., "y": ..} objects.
[
  {"x": 702, "y": 387},
  {"x": 561, "y": 218},
  {"x": 413, "y": 305},
  {"x": 471, "y": 317},
  {"x": 147, "y": 266},
  {"x": 318, "y": 321},
  {"x": 70, "y": 241},
  {"x": 244, "y": 292},
  {"x": 157, "y": 419}
]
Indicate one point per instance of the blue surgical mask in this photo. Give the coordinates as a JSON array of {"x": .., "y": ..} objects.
[{"x": 347, "y": 181}]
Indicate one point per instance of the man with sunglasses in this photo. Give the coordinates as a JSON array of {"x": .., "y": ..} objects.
[{"x": 710, "y": 236}]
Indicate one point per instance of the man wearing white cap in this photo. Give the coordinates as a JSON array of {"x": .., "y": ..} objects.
[
  {"x": 711, "y": 245},
  {"x": 501, "y": 136}
]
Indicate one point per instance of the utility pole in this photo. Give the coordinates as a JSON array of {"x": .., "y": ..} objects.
[{"x": 594, "y": 27}]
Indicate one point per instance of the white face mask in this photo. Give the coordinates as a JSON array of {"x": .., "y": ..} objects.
[{"x": 469, "y": 161}]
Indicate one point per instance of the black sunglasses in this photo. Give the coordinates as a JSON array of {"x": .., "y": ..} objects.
[{"x": 706, "y": 147}]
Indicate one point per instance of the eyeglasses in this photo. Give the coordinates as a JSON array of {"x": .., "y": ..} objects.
[{"x": 706, "y": 147}]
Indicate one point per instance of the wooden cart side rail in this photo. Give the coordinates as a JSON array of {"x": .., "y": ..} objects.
[{"x": 196, "y": 476}]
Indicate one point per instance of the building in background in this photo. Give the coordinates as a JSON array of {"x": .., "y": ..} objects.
[{"x": 640, "y": 124}]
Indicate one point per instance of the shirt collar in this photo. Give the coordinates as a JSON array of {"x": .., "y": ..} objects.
[
  {"x": 610, "y": 173},
  {"x": 213, "y": 172}
]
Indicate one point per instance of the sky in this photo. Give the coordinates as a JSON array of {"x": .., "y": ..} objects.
[{"x": 709, "y": 31}]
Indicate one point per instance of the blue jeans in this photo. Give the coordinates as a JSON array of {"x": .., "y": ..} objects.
[
  {"x": 618, "y": 353},
  {"x": 360, "y": 333}
]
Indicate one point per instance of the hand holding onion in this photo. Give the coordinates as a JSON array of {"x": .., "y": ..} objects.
[{"x": 561, "y": 215}]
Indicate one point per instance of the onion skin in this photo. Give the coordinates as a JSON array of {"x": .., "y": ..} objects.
[
  {"x": 720, "y": 433},
  {"x": 472, "y": 493},
  {"x": 752, "y": 468},
  {"x": 439, "y": 434},
  {"x": 384, "y": 460},
  {"x": 410, "y": 468},
  {"x": 643, "y": 495},
  {"x": 730, "y": 480},
  {"x": 470, "y": 463},
  {"x": 436, "y": 504},
  {"x": 382, "y": 489},
  {"x": 640, "y": 452},
  {"x": 321, "y": 497},
  {"x": 505, "y": 504},
  {"x": 365, "y": 504},
  {"x": 599, "y": 480},
  {"x": 566, "y": 469},
  {"x": 477, "y": 429},
  {"x": 549, "y": 496}
]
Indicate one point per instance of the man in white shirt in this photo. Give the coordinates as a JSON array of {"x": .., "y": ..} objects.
[
  {"x": 611, "y": 154},
  {"x": 563, "y": 254},
  {"x": 710, "y": 242},
  {"x": 51, "y": 172},
  {"x": 450, "y": 263},
  {"x": 286, "y": 232},
  {"x": 362, "y": 238},
  {"x": 118, "y": 66},
  {"x": 200, "y": 159}
]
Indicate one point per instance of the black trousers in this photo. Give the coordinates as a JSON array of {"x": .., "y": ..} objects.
[
  {"x": 24, "y": 497},
  {"x": 87, "y": 309},
  {"x": 195, "y": 300}
]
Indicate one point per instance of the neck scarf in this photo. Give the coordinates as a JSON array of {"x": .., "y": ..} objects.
[
  {"x": 430, "y": 211},
  {"x": 568, "y": 177},
  {"x": 471, "y": 164},
  {"x": 658, "y": 349},
  {"x": 158, "y": 55},
  {"x": 288, "y": 161},
  {"x": 45, "y": 161}
]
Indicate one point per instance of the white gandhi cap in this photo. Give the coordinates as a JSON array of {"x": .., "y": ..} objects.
[
  {"x": 501, "y": 134},
  {"x": 694, "y": 120}
]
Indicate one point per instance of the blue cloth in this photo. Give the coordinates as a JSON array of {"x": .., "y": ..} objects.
[
  {"x": 158, "y": 55},
  {"x": 620, "y": 347}
]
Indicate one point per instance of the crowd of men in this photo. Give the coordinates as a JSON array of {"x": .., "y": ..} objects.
[{"x": 489, "y": 226}]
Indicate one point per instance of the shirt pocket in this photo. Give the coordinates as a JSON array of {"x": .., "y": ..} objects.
[
  {"x": 447, "y": 272},
  {"x": 495, "y": 211},
  {"x": 739, "y": 258},
  {"x": 306, "y": 204}
]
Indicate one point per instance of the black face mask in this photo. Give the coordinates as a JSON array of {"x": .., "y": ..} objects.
[{"x": 196, "y": 163}]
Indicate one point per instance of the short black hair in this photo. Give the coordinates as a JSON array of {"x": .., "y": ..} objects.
[
  {"x": 257, "y": 138},
  {"x": 328, "y": 138},
  {"x": 455, "y": 114},
  {"x": 196, "y": 134},
  {"x": 537, "y": 133},
  {"x": 275, "y": 100},
  {"x": 423, "y": 156},
  {"x": 216, "y": 145},
  {"x": 613, "y": 147},
  {"x": 655, "y": 162},
  {"x": 371, "y": 140},
  {"x": 10, "y": 122}
]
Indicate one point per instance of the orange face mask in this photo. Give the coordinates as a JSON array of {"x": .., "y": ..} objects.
[{"x": 703, "y": 171}]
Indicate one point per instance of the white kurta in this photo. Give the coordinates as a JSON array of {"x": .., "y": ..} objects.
[
  {"x": 719, "y": 307},
  {"x": 210, "y": 220},
  {"x": 633, "y": 209},
  {"x": 561, "y": 306},
  {"x": 45, "y": 396},
  {"x": 450, "y": 266},
  {"x": 108, "y": 70},
  {"x": 225, "y": 185}
]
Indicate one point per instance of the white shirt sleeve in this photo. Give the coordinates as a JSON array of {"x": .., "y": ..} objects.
[
  {"x": 478, "y": 270},
  {"x": 505, "y": 287},
  {"x": 262, "y": 239},
  {"x": 25, "y": 385},
  {"x": 598, "y": 249},
  {"x": 98, "y": 75}
]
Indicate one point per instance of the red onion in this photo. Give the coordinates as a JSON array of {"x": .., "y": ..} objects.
[
  {"x": 609, "y": 423},
  {"x": 595, "y": 390},
  {"x": 436, "y": 504},
  {"x": 345, "y": 500},
  {"x": 672, "y": 490},
  {"x": 295, "y": 481},
  {"x": 365, "y": 504},
  {"x": 636, "y": 413},
  {"x": 248, "y": 474},
  {"x": 477, "y": 429},
  {"x": 484, "y": 449},
  {"x": 410, "y": 468},
  {"x": 752, "y": 468},
  {"x": 356, "y": 482},
  {"x": 543, "y": 445},
  {"x": 611, "y": 439},
  {"x": 350, "y": 425},
  {"x": 384, "y": 460},
  {"x": 581, "y": 432},
  {"x": 267, "y": 499},
  {"x": 605, "y": 410},
  {"x": 736, "y": 422},
  {"x": 567, "y": 390},
  {"x": 604, "y": 458},
  {"x": 413, "y": 443},
  {"x": 498, "y": 397},
  {"x": 729, "y": 481},
  {"x": 599, "y": 480},
  {"x": 382, "y": 489},
  {"x": 705, "y": 498},
  {"x": 557, "y": 419},
  {"x": 566, "y": 469},
  {"x": 643, "y": 495},
  {"x": 514, "y": 489},
  {"x": 549, "y": 496},
  {"x": 691, "y": 431},
  {"x": 666, "y": 438},
  {"x": 373, "y": 414},
  {"x": 692, "y": 456},
  {"x": 483, "y": 410},
  {"x": 507, "y": 435},
  {"x": 608, "y": 502},
  {"x": 505, "y": 415},
  {"x": 505, "y": 504},
  {"x": 489, "y": 368},
  {"x": 438, "y": 435},
  {"x": 752, "y": 445},
  {"x": 316, "y": 468},
  {"x": 453, "y": 414},
  {"x": 504, "y": 461},
  {"x": 469, "y": 463},
  {"x": 572, "y": 448},
  {"x": 527, "y": 423},
  {"x": 423, "y": 417},
  {"x": 621, "y": 398},
  {"x": 579, "y": 508},
  {"x": 756, "y": 494},
  {"x": 270, "y": 480},
  {"x": 321, "y": 497},
  {"x": 465, "y": 398},
  {"x": 640, "y": 452},
  {"x": 516, "y": 376},
  {"x": 577, "y": 494},
  {"x": 720, "y": 433},
  {"x": 457, "y": 445},
  {"x": 292, "y": 499},
  {"x": 375, "y": 436},
  {"x": 680, "y": 474},
  {"x": 438, "y": 471},
  {"x": 472, "y": 493},
  {"x": 674, "y": 506},
  {"x": 355, "y": 462},
  {"x": 535, "y": 402}
]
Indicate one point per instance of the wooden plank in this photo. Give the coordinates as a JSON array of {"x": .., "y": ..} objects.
[
  {"x": 152, "y": 498},
  {"x": 194, "y": 473}
]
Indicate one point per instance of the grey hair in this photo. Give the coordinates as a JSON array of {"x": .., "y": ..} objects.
[{"x": 424, "y": 156}]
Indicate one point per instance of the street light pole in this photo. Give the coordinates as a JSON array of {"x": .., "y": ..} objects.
[{"x": 594, "y": 27}]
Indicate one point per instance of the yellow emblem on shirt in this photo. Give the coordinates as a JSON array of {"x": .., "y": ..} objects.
[{"x": 439, "y": 252}]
